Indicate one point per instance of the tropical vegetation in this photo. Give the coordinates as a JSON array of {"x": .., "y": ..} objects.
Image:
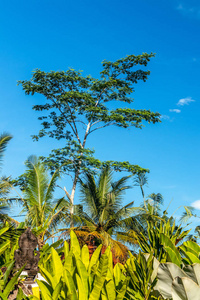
[{"x": 99, "y": 247}]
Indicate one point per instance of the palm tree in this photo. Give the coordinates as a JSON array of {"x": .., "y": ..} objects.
[
  {"x": 102, "y": 214},
  {"x": 42, "y": 213},
  {"x": 4, "y": 186}
]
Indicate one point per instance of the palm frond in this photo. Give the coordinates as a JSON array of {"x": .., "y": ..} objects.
[
  {"x": 4, "y": 139},
  {"x": 187, "y": 214}
]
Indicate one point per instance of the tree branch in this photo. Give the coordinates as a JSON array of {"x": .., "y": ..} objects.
[{"x": 108, "y": 124}]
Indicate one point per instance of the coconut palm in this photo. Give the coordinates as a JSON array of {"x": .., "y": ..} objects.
[
  {"x": 41, "y": 212},
  {"x": 102, "y": 214},
  {"x": 4, "y": 186}
]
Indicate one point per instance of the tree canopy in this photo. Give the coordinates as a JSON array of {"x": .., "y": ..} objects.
[{"x": 76, "y": 106}]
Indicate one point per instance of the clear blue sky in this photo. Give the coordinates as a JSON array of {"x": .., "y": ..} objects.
[{"x": 55, "y": 35}]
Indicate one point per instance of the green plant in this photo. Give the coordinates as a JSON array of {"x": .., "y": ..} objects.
[
  {"x": 162, "y": 239},
  {"x": 7, "y": 284},
  {"x": 174, "y": 282},
  {"x": 42, "y": 213},
  {"x": 77, "y": 105},
  {"x": 103, "y": 214},
  {"x": 142, "y": 271}
]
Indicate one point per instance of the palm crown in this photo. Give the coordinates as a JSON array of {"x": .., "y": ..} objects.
[
  {"x": 41, "y": 211},
  {"x": 103, "y": 212}
]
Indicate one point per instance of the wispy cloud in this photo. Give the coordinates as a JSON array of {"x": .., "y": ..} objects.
[
  {"x": 196, "y": 204},
  {"x": 192, "y": 10},
  {"x": 175, "y": 110},
  {"x": 165, "y": 117},
  {"x": 185, "y": 101}
]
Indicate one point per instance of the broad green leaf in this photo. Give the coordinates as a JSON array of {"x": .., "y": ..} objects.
[
  {"x": 83, "y": 274},
  {"x": 122, "y": 291},
  {"x": 85, "y": 256},
  {"x": 117, "y": 274},
  {"x": 66, "y": 249},
  {"x": 99, "y": 278},
  {"x": 171, "y": 250},
  {"x": 70, "y": 285},
  {"x": 69, "y": 263},
  {"x": 9, "y": 287},
  {"x": 94, "y": 258},
  {"x": 110, "y": 289},
  {"x": 57, "y": 291},
  {"x": 45, "y": 291},
  {"x": 191, "y": 257},
  {"x": 3, "y": 297},
  {"x": 75, "y": 247},
  {"x": 81, "y": 290},
  {"x": 57, "y": 265},
  {"x": 49, "y": 278},
  {"x": 193, "y": 246},
  {"x": 7, "y": 273}
]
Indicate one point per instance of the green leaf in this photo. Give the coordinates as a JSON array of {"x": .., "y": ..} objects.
[
  {"x": 75, "y": 247},
  {"x": 9, "y": 287},
  {"x": 83, "y": 274},
  {"x": 171, "y": 250},
  {"x": 94, "y": 258},
  {"x": 57, "y": 291},
  {"x": 3, "y": 297},
  {"x": 48, "y": 277},
  {"x": 57, "y": 266},
  {"x": 85, "y": 256},
  {"x": 81, "y": 290},
  {"x": 66, "y": 249},
  {"x": 99, "y": 278},
  {"x": 45, "y": 291},
  {"x": 7, "y": 273},
  {"x": 70, "y": 285}
]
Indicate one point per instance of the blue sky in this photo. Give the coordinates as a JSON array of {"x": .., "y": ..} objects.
[{"x": 55, "y": 35}]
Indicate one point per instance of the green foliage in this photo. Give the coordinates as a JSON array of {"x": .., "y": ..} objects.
[
  {"x": 142, "y": 271},
  {"x": 7, "y": 284},
  {"x": 103, "y": 214},
  {"x": 4, "y": 181},
  {"x": 42, "y": 212},
  {"x": 162, "y": 240},
  {"x": 77, "y": 105}
]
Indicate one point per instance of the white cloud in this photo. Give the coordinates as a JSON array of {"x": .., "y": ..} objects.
[
  {"x": 185, "y": 101},
  {"x": 175, "y": 110},
  {"x": 165, "y": 117},
  {"x": 196, "y": 204}
]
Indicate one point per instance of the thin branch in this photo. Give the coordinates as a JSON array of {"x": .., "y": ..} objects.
[
  {"x": 95, "y": 123},
  {"x": 108, "y": 124},
  {"x": 66, "y": 192},
  {"x": 73, "y": 129}
]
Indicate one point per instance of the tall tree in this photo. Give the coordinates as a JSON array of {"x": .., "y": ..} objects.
[{"x": 77, "y": 106}]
